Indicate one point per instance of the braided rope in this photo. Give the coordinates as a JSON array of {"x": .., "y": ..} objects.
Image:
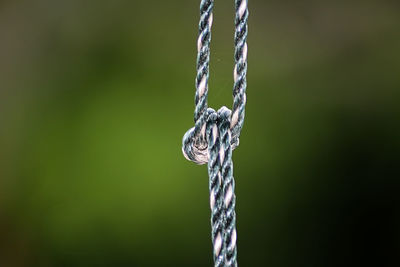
[
  {"x": 228, "y": 187},
  {"x": 216, "y": 190},
  {"x": 216, "y": 134},
  {"x": 240, "y": 70},
  {"x": 203, "y": 63}
]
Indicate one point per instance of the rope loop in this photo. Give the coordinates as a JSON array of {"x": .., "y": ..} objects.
[
  {"x": 195, "y": 144},
  {"x": 216, "y": 134}
]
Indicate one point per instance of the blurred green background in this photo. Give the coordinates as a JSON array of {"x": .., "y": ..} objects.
[{"x": 95, "y": 97}]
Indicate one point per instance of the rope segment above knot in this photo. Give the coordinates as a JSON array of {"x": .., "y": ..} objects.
[{"x": 197, "y": 139}]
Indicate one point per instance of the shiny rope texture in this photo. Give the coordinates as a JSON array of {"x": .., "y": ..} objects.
[{"x": 216, "y": 133}]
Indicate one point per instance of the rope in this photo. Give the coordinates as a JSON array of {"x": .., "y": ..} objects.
[{"x": 216, "y": 134}]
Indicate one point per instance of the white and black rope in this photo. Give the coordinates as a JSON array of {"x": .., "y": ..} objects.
[
  {"x": 216, "y": 134},
  {"x": 240, "y": 70}
]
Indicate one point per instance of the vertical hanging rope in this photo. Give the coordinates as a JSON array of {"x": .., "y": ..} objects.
[
  {"x": 216, "y": 190},
  {"x": 228, "y": 188},
  {"x": 203, "y": 62},
  {"x": 216, "y": 134},
  {"x": 240, "y": 70}
]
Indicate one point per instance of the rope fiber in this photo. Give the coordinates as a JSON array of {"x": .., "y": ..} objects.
[{"x": 216, "y": 134}]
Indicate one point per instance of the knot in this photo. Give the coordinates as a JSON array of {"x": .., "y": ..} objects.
[{"x": 196, "y": 139}]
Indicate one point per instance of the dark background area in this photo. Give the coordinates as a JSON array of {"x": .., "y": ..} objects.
[{"x": 95, "y": 97}]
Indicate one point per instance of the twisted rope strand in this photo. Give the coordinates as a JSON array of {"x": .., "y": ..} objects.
[
  {"x": 203, "y": 62},
  {"x": 215, "y": 186},
  {"x": 240, "y": 70},
  {"x": 228, "y": 187}
]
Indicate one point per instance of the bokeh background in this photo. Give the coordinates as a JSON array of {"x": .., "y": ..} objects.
[{"x": 95, "y": 97}]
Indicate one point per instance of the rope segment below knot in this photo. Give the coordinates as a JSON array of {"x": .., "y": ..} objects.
[
  {"x": 212, "y": 143},
  {"x": 196, "y": 141}
]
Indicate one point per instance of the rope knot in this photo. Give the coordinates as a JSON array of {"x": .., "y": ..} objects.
[{"x": 196, "y": 139}]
